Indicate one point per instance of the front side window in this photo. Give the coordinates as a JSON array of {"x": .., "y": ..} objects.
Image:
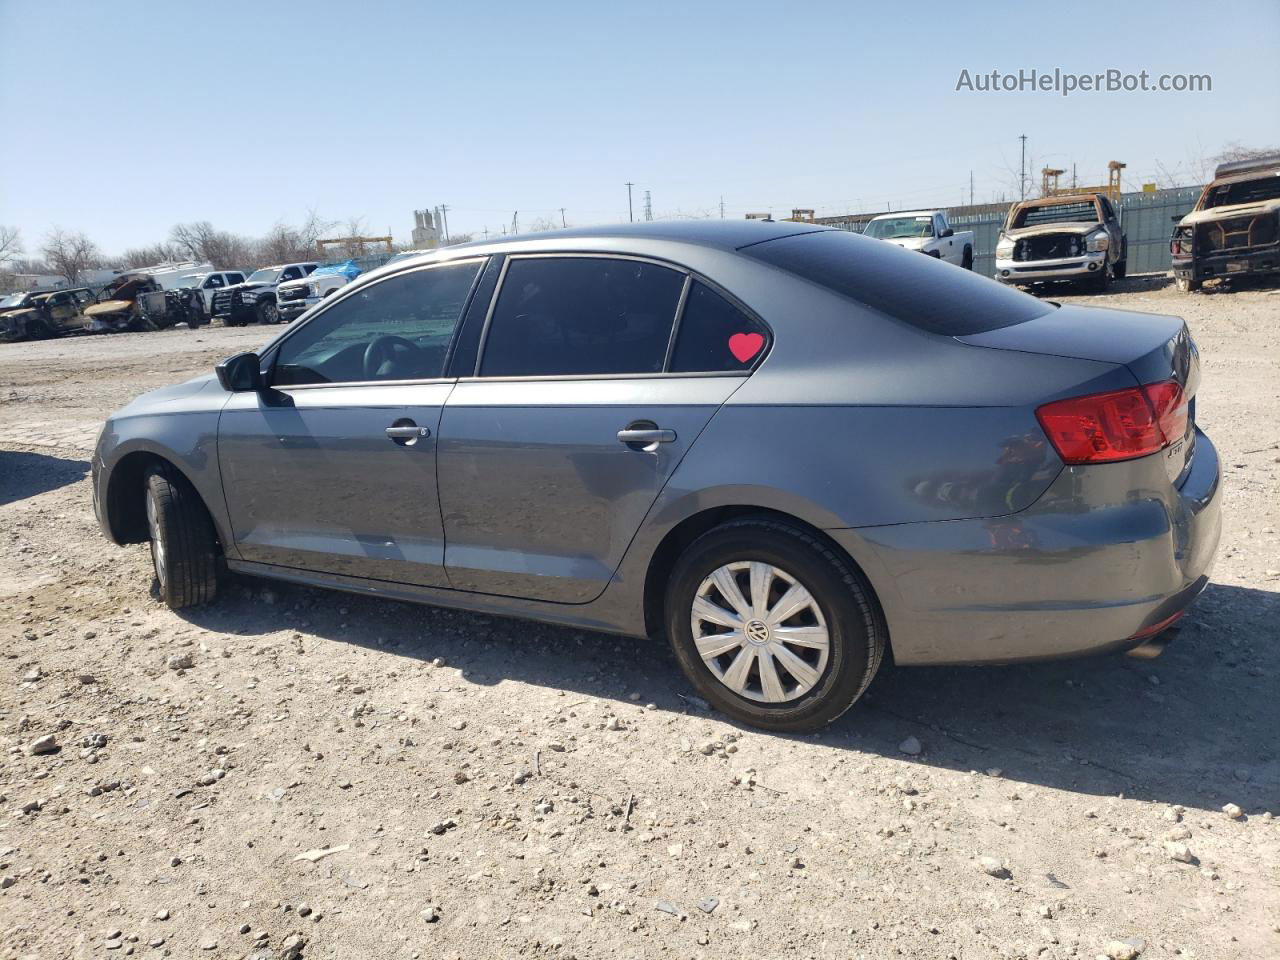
[
  {"x": 290, "y": 273},
  {"x": 715, "y": 336},
  {"x": 214, "y": 281},
  {"x": 396, "y": 329},
  {"x": 581, "y": 316},
  {"x": 235, "y": 278}
]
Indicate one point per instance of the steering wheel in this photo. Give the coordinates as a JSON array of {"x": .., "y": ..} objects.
[{"x": 382, "y": 349}]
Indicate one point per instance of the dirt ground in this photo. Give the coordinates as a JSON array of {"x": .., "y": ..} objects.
[{"x": 344, "y": 777}]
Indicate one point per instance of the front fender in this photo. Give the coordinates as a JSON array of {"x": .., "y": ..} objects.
[{"x": 188, "y": 441}]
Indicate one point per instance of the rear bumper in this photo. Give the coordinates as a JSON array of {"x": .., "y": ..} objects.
[
  {"x": 1101, "y": 556},
  {"x": 1030, "y": 271}
]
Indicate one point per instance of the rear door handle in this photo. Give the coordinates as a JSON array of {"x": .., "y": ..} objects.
[{"x": 646, "y": 437}]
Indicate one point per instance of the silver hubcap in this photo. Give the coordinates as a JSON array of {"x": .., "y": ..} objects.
[
  {"x": 760, "y": 632},
  {"x": 157, "y": 543}
]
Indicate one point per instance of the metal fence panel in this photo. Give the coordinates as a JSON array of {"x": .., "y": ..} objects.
[{"x": 1147, "y": 219}]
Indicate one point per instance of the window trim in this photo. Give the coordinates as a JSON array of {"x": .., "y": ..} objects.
[
  {"x": 272, "y": 353},
  {"x": 690, "y": 276}
]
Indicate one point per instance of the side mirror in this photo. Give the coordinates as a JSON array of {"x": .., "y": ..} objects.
[
  {"x": 240, "y": 373},
  {"x": 947, "y": 233}
]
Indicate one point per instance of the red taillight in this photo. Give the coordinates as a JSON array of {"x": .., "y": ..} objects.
[{"x": 1118, "y": 425}]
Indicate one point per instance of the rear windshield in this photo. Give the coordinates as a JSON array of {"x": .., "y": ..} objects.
[
  {"x": 1246, "y": 191},
  {"x": 908, "y": 286}
]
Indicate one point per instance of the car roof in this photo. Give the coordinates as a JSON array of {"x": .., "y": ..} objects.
[
  {"x": 906, "y": 213},
  {"x": 726, "y": 235}
]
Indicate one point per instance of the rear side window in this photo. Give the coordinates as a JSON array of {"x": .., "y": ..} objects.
[
  {"x": 581, "y": 316},
  {"x": 907, "y": 286},
  {"x": 715, "y": 335}
]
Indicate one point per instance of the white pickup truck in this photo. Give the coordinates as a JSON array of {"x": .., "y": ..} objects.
[{"x": 926, "y": 231}]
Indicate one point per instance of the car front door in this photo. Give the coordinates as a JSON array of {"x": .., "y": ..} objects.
[
  {"x": 582, "y": 406},
  {"x": 332, "y": 468}
]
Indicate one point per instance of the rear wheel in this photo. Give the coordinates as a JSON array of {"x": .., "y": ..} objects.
[
  {"x": 184, "y": 547},
  {"x": 1187, "y": 285},
  {"x": 772, "y": 626},
  {"x": 967, "y": 260}
]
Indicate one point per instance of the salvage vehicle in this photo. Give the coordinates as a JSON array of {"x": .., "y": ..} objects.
[
  {"x": 117, "y": 309},
  {"x": 787, "y": 447},
  {"x": 925, "y": 231},
  {"x": 255, "y": 299},
  {"x": 209, "y": 284},
  {"x": 1234, "y": 229},
  {"x": 40, "y": 315},
  {"x": 295, "y": 297},
  {"x": 1072, "y": 237}
]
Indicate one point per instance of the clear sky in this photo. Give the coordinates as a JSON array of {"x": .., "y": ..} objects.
[{"x": 122, "y": 118}]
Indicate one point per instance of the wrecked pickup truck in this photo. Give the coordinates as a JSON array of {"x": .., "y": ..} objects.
[
  {"x": 1234, "y": 229},
  {"x": 1074, "y": 237},
  {"x": 43, "y": 314},
  {"x": 118, "y": 309}
]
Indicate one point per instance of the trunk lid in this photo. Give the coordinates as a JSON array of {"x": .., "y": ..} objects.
[{"x": 1152, "y": 347}]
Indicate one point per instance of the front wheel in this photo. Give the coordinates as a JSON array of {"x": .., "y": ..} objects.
[
  {"x": 967, "y": 260},
  {"x": 184, "y": 547},
  {"x": 773, "y": 626},
  {"x": 1187, "y": 285},
  {"x": 268, "y": 312}
]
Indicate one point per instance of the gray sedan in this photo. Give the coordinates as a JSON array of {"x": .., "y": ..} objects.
[{"x": 788, "y": 449}]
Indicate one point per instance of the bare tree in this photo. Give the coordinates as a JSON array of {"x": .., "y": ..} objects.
[
  {"x": 200, "y": 241},
  {"x": 70, "y": 254},
  {"x": 148, "y": 256},
  {"x": 1237, "y": 151},
  {"x": 10, "y": 243},
  {"x": 457, "y": 238}
]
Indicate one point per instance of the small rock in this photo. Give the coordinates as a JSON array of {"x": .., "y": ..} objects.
[
  {"x": 666, "y": 906},
  {"x": 613, "y": 724},
  {"x": 180, "y": 661},
  {"x": 543, "y": 808},
  {"x": 292, "y": 946},
  {"x": 459, "y": 724},
  {"x": 162, "y": 914},
  {"x": 87, "y": 678},
  {"x": 994, "y": 868},
  {"x": 708, "y": 904},
  {"x": 1179, "y": 832},
  {"x": 1125, "y": 949},
  {"x": 245, "y": 928},
  {"x": 1180, "y": 852},
  {"x": 438, "y": 662},
  {"x": 8, "y": 882},
  {"x": 911, "y": 747},
  {"x": 707, "y": 749},
  {"x": 93, "y": 741},
  {"x": 33, "y": 675},
  {"x": 430, "y": 914},
  {"x": 46, "y": 744},
  {"x": 304, "y": 910},
  {"x": 209, "y": 944},
  {"x": 1232, "y": 811}
]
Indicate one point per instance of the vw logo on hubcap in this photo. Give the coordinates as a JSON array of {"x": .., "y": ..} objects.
[{"x": 757, "y": 632}]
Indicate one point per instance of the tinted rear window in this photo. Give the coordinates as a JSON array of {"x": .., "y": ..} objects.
[{"x": 908, "y": 286}]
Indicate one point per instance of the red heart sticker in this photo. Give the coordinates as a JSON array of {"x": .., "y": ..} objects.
[{"x": 744, "y": 346}]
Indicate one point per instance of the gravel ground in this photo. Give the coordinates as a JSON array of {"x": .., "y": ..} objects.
[{"x": 293, "y": 772}]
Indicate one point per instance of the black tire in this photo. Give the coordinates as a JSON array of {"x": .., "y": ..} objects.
[
  {"x": 267, "y": 310},
  {"x": 1101, "y": 280},
  {"x": 1122, "y": 267},
  {"x": 967, "y": 260},
  {"x": 855, "y": 626},
  {"x": 1187, "y": 285},
  {"x": 184, "y": 546}
]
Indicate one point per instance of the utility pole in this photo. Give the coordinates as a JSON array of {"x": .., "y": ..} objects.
[
  {"x": 515, "y": 222},
  {"x": 444, "y": 215},
  {"x": 1022, "y": 170},
  {"x": 630, "y": 213},
  {"x": 648, "y": 206},
  {"x": 722, "y": 207},
  {"x": 971, "y": 188},
  {"x": 562, "y": 223},
  {"x": 486, "y": 233}
]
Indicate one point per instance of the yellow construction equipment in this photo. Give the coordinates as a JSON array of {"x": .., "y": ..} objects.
[{"x": 1049, "y": 183}]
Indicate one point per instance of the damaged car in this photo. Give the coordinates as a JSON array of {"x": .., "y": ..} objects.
[
  {"x": 1234, "y": 229},
  {"x": 42, "y": 315},
  {"x": 1074, "y": 237},
  {"x": 118, "y": 309}
]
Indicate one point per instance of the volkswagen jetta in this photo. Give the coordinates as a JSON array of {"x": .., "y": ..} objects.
[{"x": 790, "y": 449}]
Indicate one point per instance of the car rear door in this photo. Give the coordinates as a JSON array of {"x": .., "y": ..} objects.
[
  {"x": 588, "y": 391},
  {"x": 332, "y": 469}
]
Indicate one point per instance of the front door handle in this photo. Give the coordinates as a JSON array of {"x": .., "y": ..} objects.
[
  {"x": 406, "y": 433},
  {"x": 646, "y": 437}
]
